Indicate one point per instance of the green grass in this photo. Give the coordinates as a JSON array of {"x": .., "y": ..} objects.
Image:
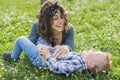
[{"x": 96, "y": 23}]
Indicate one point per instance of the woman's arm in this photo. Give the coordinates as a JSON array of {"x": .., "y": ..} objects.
[
  {"x": 44, "y": 51},
  {"x": 33, "y": 33},
  {"x": 68, "y": 38}
]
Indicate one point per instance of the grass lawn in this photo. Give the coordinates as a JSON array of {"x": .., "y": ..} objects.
[{"x": 96, "y": 23}]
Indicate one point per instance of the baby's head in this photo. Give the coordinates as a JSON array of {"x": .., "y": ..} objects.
[{"x": 97, "y": 61}]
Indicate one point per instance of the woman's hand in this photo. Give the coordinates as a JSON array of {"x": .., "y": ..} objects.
[
  {"x": 61, "y": 51},
  {"x": 44, "y": 51}
]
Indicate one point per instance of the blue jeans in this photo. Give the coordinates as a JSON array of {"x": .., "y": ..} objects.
[{"x": 24, "y": 44}]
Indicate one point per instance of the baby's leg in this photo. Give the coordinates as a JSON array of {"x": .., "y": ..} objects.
[{"x": 23, "y": 44}]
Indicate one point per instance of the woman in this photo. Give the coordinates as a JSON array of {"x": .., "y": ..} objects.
[{"x": 53, "y": 26}]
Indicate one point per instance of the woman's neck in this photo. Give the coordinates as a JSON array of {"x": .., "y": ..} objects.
[
  {"x": 57, "y": 38},
  {"x": 57, "y": 33}
]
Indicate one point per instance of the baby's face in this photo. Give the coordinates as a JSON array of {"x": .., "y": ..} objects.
[
  {"x": 94, "y": 57},
  {"x": 97, "y": 60}
]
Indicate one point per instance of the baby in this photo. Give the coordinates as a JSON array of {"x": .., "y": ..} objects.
[
  {"x": 43, "y": 56},
  {"x": 93, "y": 61}
]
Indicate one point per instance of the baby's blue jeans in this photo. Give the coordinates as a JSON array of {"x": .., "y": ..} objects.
[{"x": 24, "y": 44}]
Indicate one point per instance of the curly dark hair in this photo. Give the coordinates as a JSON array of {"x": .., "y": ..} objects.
[{"x": 45, "y": 20}]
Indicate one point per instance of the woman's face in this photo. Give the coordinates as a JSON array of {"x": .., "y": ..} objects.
[{"x": 58, "y": 22}]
